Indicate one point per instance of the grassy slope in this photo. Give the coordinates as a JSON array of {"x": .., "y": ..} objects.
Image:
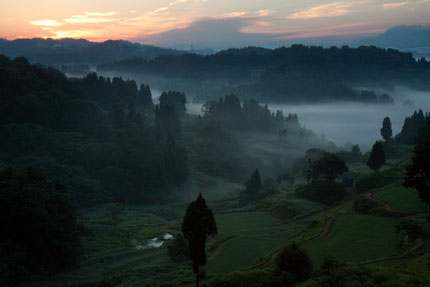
[
  {"x": 401, "y": 199},
  {"x": 358, "y": 237},
  {"x": 257, "y": 234},
  {"x": 245, "y": 239}
]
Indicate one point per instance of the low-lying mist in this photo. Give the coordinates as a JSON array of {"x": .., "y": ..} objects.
[
  {"x": 339, "y": 122},
  {"x": 350, "y": 122}
]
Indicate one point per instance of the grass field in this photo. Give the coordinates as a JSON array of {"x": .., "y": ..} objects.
[
  {"x": 257, "y": 235},
  {"x": 356, "y": 238},
  {"x": 400, "y": 198},
  {"x": 213, "y": 188}
]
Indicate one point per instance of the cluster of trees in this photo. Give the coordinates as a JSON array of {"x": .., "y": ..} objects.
[
  {"x": 107, "y": 92},
  {"x": 411, "y": 128},
  {"x": 250, "y": 115},
  {"x": 110, "y": 151},
  {"x": 296, "y": 73},
  {"x": 321, "y": 175}
]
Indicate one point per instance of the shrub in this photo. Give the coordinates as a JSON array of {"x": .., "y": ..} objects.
[{"x": 295, "y": 261}]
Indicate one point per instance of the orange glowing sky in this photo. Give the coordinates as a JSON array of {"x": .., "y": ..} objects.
[{"x": 150, "y": 21}]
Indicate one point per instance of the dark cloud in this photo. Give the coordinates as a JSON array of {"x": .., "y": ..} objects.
[{"x": 216, "y": 34}]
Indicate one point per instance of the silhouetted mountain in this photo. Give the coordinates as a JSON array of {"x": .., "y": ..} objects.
[
  {"x": 77, "y": 51},
  {"x": 399, "y": 37}
]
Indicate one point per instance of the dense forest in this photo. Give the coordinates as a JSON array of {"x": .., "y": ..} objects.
[{"x": 295, "y": 74}]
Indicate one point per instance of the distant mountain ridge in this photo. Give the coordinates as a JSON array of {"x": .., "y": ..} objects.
[
  {"x": 399, "y": 37},
  {"x": 78, "y": 51}
]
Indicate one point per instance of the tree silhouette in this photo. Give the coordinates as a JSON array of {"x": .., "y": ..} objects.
[
  {"x": 377, "y": 156},
  {"x": 198, "y": 224},
  {"x": 386, "y": 131},
  {"x": 329, "y": 167},
  {"x": 253, "y": 185},
  {"x": 418, "y": 174}
]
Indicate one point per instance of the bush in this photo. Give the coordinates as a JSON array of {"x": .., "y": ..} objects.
[
  {"x": 295, "y": 261},
  {"x": 178, "y": 249}
]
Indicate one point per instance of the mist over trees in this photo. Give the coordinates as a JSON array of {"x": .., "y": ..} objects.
[
  {"x": 294, "y": 74},
  {"x": 110, "y": 151}
]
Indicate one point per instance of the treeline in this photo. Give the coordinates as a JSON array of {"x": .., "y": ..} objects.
[
  {"x": 297, "y": 73},
  {"x": 415, "y": 129},
  {"x": 249, "y": 115}
]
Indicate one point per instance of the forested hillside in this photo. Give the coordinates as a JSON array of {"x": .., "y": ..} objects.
[{"x": 297, "y": 73}]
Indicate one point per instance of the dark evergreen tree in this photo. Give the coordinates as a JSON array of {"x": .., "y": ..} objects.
[
  {"x": 176, "y": 100},
  {"x": 253, "y": 185},
  {"x": 197, "y": 225},
  {"x": 386, "y": 131},
  {"x": 377, "y": 156},
  {"x": 418, "y": 173},
  {"x": 424, "y": 133},
  {"x": 145, "y": 96},
  {"x": 411, "y": 126},
  {"x": 356, "y": 152},
  {"x": 167, "y": 120}
]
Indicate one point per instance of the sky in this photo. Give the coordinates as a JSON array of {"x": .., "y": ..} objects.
[{"x": 206, "y": 23}]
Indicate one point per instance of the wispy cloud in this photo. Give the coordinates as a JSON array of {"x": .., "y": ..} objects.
[
  {"x": 323, "y": 11},
  {"x": 92, "y": 18},
  {"x": 79, "y": 19},
  {"x": 100, "y": 14},
  {"x": 237, "y": 14},
  {"x": 264, "y": 13},
  {"x": 395, "y": 5},
  {"x": 46, "y": 22},
  {"x": 244, "y": 14},
  {"x": 167, "y": 7}
]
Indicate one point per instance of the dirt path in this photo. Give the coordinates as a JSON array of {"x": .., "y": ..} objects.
[
  {"x": 220, "y": 247},
  {"x": 327, "y": 230}
]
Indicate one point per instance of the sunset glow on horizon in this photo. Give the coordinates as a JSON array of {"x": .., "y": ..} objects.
[{"x": 154, "y": 21}]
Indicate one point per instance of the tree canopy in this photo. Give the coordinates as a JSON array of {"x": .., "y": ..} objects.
[{"x": 329, "y": 167}]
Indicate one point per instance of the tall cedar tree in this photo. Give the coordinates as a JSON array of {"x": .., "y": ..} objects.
[
  {"x": 386, "y": 131},
  {"x": 253, "y": 185},
  {"x": 418, "y": 174},
  {"x": 377, "y": 156},
  {"x": 198, "y": 224}
]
